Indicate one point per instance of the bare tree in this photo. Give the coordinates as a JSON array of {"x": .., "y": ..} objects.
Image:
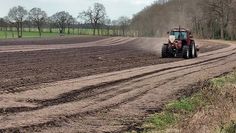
[
  {"x": 114, "y": 27},
  {"x": 50, "y": 23},
  {"x": 4, "y": 26},
  {"x": 60, "y": 18},
  {"x": 10, "y": 24},
  {"x": 124, "y": 23},
  {"x": 1, "y": 23},
  {"x": 232, "y": 22},
  {"x": 74, "y": 23},
  {"x": 94, "y": 16},
  {"x": 78, "y": 27},
  {"x": 38, "y": 17},
  {"x": 18, "y": 15},
  {"x": 108, "y": 25},
  {"x": 69, "y": 22},
  {"x": 28, "y": 23},
  {"x": 220, "y": 8},
  {"x": 102, "y": 25}
]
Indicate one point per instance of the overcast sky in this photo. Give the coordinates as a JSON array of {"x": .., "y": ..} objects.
[{"x": 115, "y": 8}]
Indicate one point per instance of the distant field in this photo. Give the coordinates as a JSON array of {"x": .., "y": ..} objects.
[{"x": 33, "y": 32}]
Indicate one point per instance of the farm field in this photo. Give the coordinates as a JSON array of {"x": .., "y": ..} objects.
[{"x": 97, "y": 84}]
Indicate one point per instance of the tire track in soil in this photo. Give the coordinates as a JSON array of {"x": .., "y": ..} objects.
[
  {"x": 89, "y": 91},
  {"x": 99, "y": 43},
  {"x": 54, "y": 122},
  {"x": 73, "y": 96}
]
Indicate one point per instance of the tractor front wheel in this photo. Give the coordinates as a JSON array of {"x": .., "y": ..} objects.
[
  {"x": 164, "y": 51},
  {"x": 186, "y": 52}
]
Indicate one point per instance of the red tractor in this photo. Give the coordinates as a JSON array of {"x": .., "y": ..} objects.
[{"x": 180, "y": 43}]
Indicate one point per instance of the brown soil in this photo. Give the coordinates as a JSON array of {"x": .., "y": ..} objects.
[
  {"x": 34, "y": 67},
  {"x": 99, "y": 88},
  {"x": 50, "y": 40}
]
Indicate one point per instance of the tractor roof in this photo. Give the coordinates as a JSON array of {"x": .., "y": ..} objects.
[{"x": 180, "y": 29}]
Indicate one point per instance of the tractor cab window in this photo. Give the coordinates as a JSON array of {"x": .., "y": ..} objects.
[{"x": 179, "y": 35}]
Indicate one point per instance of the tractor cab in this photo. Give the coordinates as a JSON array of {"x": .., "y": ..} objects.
[{"x": 180, "y": 34}]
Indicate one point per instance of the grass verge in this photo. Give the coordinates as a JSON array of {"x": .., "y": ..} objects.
[{"x": 212, "y": 109}]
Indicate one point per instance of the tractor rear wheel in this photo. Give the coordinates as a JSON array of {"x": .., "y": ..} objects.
[
  {"x": 186, "y": 52},
  {"x": 196, "y": 52},
  {"x": 193, "y": 51},
  {"x": 164, "y": 51}
]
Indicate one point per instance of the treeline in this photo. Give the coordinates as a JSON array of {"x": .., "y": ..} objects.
[
  {"x": 213, "y": 19},
  {"x": 206, "y": 18},
  {"x": 94, "y": 18}
]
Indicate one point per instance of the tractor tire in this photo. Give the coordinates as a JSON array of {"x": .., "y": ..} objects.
[
  {"x": 186, "y": 52},
  {"x": 193, "y": 50},
  {"x": 164, "y": 51},
  {"x": 196, "y": 52}
]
